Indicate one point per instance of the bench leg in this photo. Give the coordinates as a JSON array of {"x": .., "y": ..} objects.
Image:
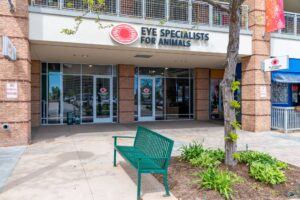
[
  {"x": 166, "y": 184},
  {"x": 115, "y": 158},
  {"x": 139, "y": 185}
]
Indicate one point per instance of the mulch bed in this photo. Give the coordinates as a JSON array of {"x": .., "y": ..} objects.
[{"x": 181, "y": 183}]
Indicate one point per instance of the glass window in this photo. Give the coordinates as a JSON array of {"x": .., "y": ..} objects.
[
  {"x": 216, "y": 102},
  {"x": 44, "y": 100},
  {"x": 71, "y": 69},
  {"x": 151, "y": 71},
  {"x": 54, "y": 95},
  {"x": 280, "y": 93},
  {"x": 87, "y": 99},
  {"x": 71, "y": 97},
  {"x": 159, "y": 99},
  {"x": 97, "y": 69},
  {"x": 53, "y": 68},
  {"x": 115, "y": 99},
  {"x": 44, "y": 68},
  {"x": 178, "y": 98},
  {"x": 296, "y": 94},
  {"x": 174, "y": 72}
]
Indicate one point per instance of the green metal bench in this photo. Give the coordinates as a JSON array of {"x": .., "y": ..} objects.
[{"x": 150, "y": 153}]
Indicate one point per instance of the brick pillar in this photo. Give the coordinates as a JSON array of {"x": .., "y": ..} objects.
[
  {"x": 35, "y": 93},
  {"x": 256, "y": 107},
  {"x": 15, "y": 112},
  {"x": 202, "y": 93},
  {"x": 126, "y": 93}
]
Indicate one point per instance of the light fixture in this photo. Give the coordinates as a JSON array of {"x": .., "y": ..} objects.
[
  {"x": 84, "y": 56},
  {"x": 166, "y": 68},
  {"x": 90, "y": 65},
  {"x": 142, "y": 56}
]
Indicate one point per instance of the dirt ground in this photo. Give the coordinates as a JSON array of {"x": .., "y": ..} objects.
[{"x": 182, "y": 184}]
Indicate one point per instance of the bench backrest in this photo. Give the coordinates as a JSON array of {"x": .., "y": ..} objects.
[{"x": 154, "y": 145}]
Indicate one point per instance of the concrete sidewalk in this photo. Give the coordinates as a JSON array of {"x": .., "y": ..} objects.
[{"x": 75, "y": 162}]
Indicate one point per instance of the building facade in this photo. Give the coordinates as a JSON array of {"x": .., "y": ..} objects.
[{"x": 146, "y": 60}]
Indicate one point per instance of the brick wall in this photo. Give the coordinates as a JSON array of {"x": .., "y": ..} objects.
[
  {"x": 202, "y": 93},
  {"x": 15, "y": 112},
  {"x": 35, "y": 93},
  {"x": 256, "y": 109},
  {"x": 126, "y": 93}
]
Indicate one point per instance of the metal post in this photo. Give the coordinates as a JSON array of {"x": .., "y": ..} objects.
[
  {"x": 295, "y": 24},
  {"x": 118, "y": 7},
  {"x": 167, "y": 9},
  {"x": 144, "y": 9},
  {"x": 211, "y": 15},
  {"x": 61, "y": 4},
  {"x": 285, "y": 120},
  {"x": 190, "y": 11}
]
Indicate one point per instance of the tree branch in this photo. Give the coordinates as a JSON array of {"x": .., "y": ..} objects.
[{"x": 217, "y": 5}]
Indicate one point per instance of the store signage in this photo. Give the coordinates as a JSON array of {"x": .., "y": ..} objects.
[
  {"x": 11, "y": 90},
  {"x": 127, "y": 34},
  {"x": 171, "y": 37},
  {"x": 277, "y": 63},
  {"x": 124, "y": 34},
  {"x": 8, "y": 49}
]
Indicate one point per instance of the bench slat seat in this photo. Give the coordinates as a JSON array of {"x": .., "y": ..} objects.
[{"x": 150, "y": 153}]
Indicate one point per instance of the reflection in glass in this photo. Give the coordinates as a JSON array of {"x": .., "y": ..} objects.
[
  {"x": 216, "y": 103},
  {"x": 103, "y": 91},
  {"x": 178, "y": 98},
  {"x": 159, "y": 98},
  {"x": 146, "y": 88},
  {"x": 87, "y": 99},
  {"x": 54, "y": 92},
  {"x": 71, "y": 97}
]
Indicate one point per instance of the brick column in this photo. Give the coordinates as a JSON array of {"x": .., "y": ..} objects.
[
  {"x": 126, "y": 93},
  {"x": 35, "y": 93},
  {"x": 17, "y": 112},
  {"x": 256, "y": 108},
  {"x": 202, "y": 94}
]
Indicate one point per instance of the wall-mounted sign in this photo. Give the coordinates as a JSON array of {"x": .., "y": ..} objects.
[
  {"x": 277, "y": 63},
  {"x": 11, "y": 90},
  {"x": 9, "y": 51},
  {"x": 127, "y": 34},
  {"x": 124, "y": 34},
  {"x": 171, "y": 37},
  {"x": 263, "y": 92}
]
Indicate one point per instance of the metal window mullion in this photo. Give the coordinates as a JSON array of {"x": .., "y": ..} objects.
[
  {"x": 118, "y": 7},
  {"x": 144, "y": 9},
  {"x": 167, "y": 10},
  {"x": 295, "y": 24},
  {"x": 190, "y": 11},
  {"x": 47, "y": 85},
  {"x": 211, "y": 15}
]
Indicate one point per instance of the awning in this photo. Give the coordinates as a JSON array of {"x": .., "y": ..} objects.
[{"x": 281, "y": 77}]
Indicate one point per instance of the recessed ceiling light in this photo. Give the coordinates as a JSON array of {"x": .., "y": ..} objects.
[
  {"x": 84, "y": 56},
  {"x": 90, "y": 65}
]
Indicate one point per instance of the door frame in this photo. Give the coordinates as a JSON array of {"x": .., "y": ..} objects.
[
  {"x": 149, "y": 118},
  {"x": 110, "y": 118}
]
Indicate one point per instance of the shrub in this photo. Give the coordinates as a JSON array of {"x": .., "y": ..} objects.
[
  {"x": 191, "y": 151},
  {"x": 267, "y": 173},
  {"x": 249, "y": 157},
  {"x": 220, "y": 181},
  {"x": 205, "y": 160}
]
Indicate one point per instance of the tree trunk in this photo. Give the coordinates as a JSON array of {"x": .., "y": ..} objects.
[{"x": 229, "y": 77}]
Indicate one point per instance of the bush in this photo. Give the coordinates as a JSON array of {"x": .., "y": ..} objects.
[
  {"x": 249, "y": 157},
  {"x": 267, "y": 173},
  {"x": 205, "y": 160},
  {"x": 198, "y": 156},
  {"x": 220, "y": 181},
  {"x": 191, "y": 151}
]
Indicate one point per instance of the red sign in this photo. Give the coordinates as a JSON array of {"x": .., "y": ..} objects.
[
  {"x": 124, "y": 34},
  {"x": 275, "y": 61},
  {"x": 274, "y": 15}
]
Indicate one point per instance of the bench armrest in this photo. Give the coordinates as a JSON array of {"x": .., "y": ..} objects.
[{"x": 116, "y": 137}]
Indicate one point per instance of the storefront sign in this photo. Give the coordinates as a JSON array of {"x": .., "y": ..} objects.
[
  {"x": 127, "y": 34},
  {"x": 124, "y": 34},
  {"x": 8, "y": 49},
  {"x": 277, "y": 63},
  {"x": 171, "y": 37},
  {"x": 11, "y": 90}
]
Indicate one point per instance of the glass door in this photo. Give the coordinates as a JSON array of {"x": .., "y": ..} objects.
[
  {"x": 146, "y": 99},
  {"x": 103, "y": 104}
]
